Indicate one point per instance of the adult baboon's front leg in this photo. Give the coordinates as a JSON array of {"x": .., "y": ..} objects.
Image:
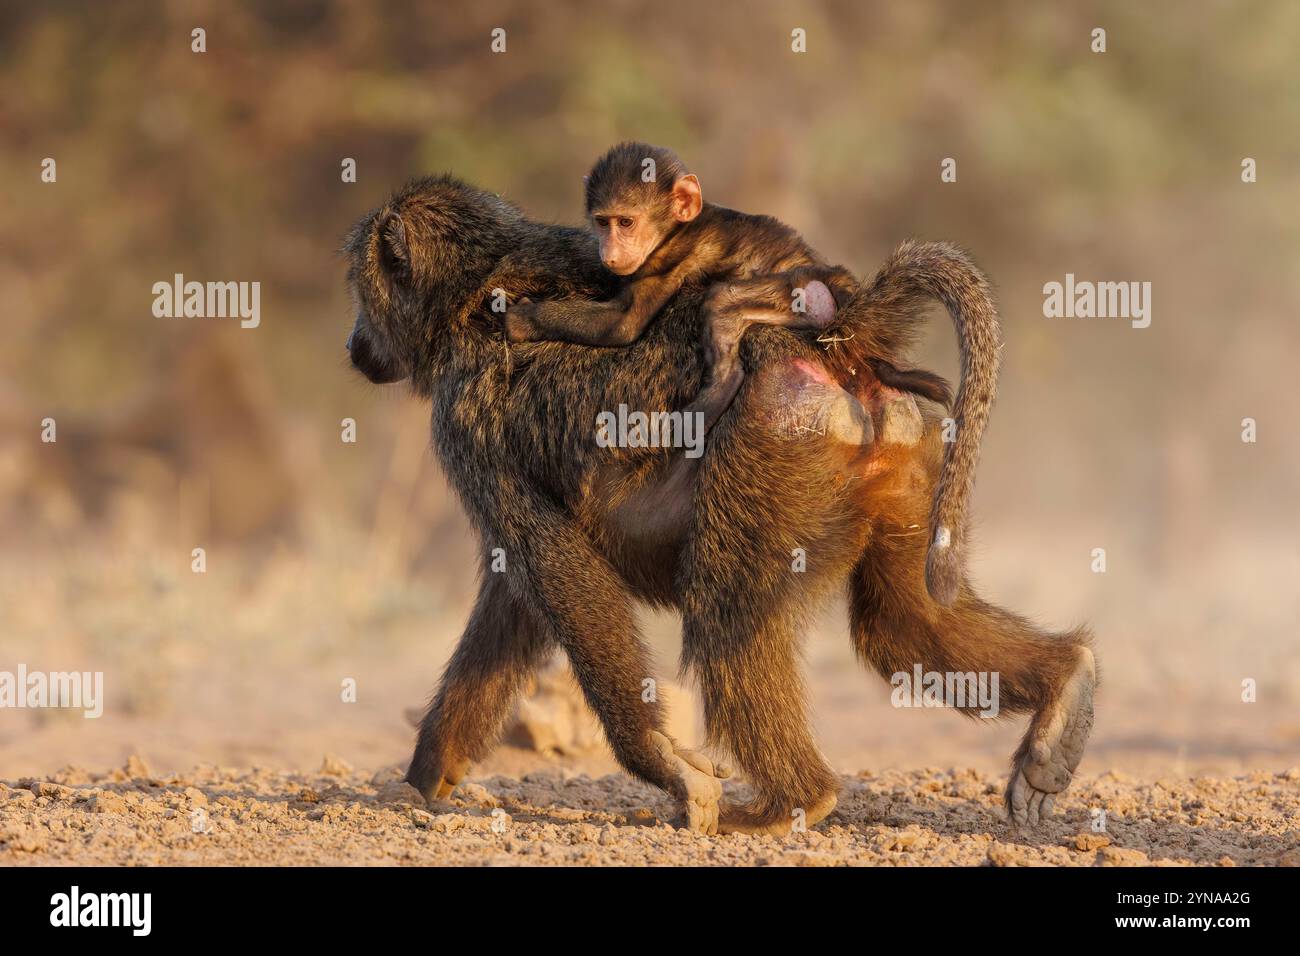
[
  {"x": 501, "y": 646},
  {"x": 580, "y": 601}
]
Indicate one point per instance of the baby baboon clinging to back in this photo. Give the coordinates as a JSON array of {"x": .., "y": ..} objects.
[
  {"x": 656, "y": 230},
  {"x": 585, "y": 530},
  {"x": 659, "y": 234}
]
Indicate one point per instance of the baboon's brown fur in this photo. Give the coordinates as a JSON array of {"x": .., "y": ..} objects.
[
  {"x": 583, "y": 533},
  {"x": 661, "y": 233}
]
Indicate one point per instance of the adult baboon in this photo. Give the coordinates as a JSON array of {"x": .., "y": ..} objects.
[{"x": 798, "y": 462}]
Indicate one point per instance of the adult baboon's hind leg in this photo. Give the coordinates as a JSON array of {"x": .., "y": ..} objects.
[
  {"x": 772, "y": 483},
  {"x": 1049, "y": 675},
  {"x": 748, "y": 674},
  {"x": 896, "y": 626}
]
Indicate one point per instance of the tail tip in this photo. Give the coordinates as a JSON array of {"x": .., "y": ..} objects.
[{"x": 943, "y": 568}]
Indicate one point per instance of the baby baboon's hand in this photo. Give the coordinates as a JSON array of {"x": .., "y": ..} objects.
[{"x": 519, "y": 321}]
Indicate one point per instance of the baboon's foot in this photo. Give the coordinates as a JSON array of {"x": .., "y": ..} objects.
[
  {"x": 701, "y": 781},
  {"x": 819, "y": 305},
  {"x": 453, "y": 772},
  {"x": 741, "y": 819},
  {"x": 1052, "y": 748}
]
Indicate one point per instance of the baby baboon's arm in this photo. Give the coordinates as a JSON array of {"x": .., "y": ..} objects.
[{"x": 611, "y": 324}]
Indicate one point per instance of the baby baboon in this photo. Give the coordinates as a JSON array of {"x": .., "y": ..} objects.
[
  {"x": 656, "y": 230},
  {"x": 659, "y": 234},
  {"x": 585, "y": 530}
]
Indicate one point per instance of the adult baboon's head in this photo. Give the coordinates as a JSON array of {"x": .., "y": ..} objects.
[{"x": 418, "y": 263}]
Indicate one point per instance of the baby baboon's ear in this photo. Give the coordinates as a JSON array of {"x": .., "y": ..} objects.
[
  {"x": 688, "y": 198},
  {"x": 394, "y": 254}
]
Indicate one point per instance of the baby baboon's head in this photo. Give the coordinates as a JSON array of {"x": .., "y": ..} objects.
[{"x": 415, "y": 264}]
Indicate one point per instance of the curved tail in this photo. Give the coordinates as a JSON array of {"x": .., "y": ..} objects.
[{"x": 881, "y": 321}]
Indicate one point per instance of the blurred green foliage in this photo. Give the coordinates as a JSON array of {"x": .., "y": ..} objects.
[{"x": 226, "y": 165}]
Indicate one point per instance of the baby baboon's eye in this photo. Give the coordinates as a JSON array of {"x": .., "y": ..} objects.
[{"x": 625, "y": 222}]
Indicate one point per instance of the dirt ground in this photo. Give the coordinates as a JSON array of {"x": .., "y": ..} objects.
[
  {"x": 230, "y": 698},
  {"x": 552, "y": 795},
  {"x": 556, "y": 816}
]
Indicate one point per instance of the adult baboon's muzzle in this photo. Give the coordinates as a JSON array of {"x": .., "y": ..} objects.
[{"x": 369, "y": 362}]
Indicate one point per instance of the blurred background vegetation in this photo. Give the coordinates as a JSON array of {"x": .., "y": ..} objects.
[{"x": 225, "y": 165}]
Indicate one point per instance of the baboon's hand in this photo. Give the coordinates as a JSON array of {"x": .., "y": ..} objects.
[
  {"x": 701, "y": 782},
  {"x": 519, "y": 321},
  {"x": 437, "y": 783}
]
